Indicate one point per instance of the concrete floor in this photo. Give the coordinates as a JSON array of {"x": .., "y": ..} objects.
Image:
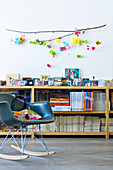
[{"x": 71, "y": 153}]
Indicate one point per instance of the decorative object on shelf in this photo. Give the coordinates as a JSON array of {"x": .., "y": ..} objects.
[
  {"x": 44, "y": 77},
  {"x": 57, "y": 81},
  {"x": 36, "y": 81},
  {"x": 50, "y": 82},
  {"x": 2, "y": 83},
  {"x": 77, "y": 82},
  {"x": 9, "y": 77},
  {"x": 69, "y": 82},
  {"x": 94, "y": 83},
  {"x": 15, "y": 82},
  {"x": 108, "y": 82},
  {"x": 86, "y": 82},
  {"x": 72, "y": 73},
  {"x": 101, "y": 82}
]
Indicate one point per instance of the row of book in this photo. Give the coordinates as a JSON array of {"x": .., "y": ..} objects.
[
  {"x": 80, "y": 101},
  {"x": 77, "y": 124}
]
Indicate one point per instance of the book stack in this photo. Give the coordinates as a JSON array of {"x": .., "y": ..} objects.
[
  {"x": 60, "y": 104},
  {"x": 78, "y": 123},
  {"x": 99, "y": 100},
  {"x": 69, "y": 123},
  {"x": 92, "y": 124},
  {"x": 111, "y": 105},
  {"x": 50, "y": 127},
  {"x": 81, "y": 101},
  {"x": 88, "y": 101},
  {"x": 110, "y": 124},
  {"x": 102, "y": 124}
]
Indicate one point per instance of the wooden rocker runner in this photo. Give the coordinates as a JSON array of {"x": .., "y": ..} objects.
[{"x": 9, "y": 103}]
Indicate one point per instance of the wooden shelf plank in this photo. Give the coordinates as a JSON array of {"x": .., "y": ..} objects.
[
  {"x": 79, "y": 112},
  {"x": 19, "y": 133},
  {"x": 72, "y": 133},
  {"x": 71, "y": 87},
  {"x": 110, "y": 133}
]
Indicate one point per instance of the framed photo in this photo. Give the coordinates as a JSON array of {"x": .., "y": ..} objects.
[
  {"x": 94, "y": 83},
  {"x": 10, "y": 77},
  {"x": 77, "y": 82},
  {"x": 69, "y": 82},
  {"x": 41, "y": 83},
  {"x": 22, "y": 83},
  {"x": 44, "y": 77},
  {"x": 57, "y": 81},
  {"x": 71, "y": 73},
  {"x": 15, "y": 82},
  {"x": 36, "y": 81},
  {"x": 50, "y": 82}
]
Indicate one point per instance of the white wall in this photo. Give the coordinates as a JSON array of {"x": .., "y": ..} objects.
[{"x": 34, "y": 15}]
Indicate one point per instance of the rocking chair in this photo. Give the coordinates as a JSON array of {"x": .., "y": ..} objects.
[{"x": 8, "y": 119}]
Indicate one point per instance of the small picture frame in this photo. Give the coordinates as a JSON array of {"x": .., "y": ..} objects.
[
  {"x": 22, "y": 83},
  {"x": 36, "y": 81},
  {"x": 69, "y": 82},
  {"x": 71, "y": 73},
  {"x": 41, "y": 83},
  {"x": 50, "y": 82},
  {"x": 44, "y": 77},
  {"x": 10, "y": 77},
  {"x": 15, "y": 82},
  {"x": 94, "y": 83},
  {"x": 57, "y": 81}
]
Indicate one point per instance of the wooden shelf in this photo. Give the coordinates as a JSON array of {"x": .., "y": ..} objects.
[
  {"x": 76, "y": 88},
  {"x": 19, "y": 133},
  {"x": 111, "y": 112},
  {"x": 72, "y": 133},
  {"x": 110, "y": 133},
  {"x": 79, "y": 112},
  {"x": 71, "y": 87}
]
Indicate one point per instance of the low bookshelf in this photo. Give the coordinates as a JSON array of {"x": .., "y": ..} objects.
[{"x": 45, "y": 90}]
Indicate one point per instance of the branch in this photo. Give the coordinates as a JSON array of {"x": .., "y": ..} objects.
[
  {"x": 72, "y": 32},
  {"x": 56, "y": 30}
]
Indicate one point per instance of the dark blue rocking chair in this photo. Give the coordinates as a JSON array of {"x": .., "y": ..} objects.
[{"x": 7, "y": 101}]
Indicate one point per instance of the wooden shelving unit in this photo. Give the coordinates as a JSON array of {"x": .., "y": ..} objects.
[{"x": 106, "y": 112}]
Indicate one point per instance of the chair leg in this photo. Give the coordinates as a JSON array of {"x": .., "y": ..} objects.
[
  {"x": 40, "y": 135},
  {"x": 3, "y": 143}
]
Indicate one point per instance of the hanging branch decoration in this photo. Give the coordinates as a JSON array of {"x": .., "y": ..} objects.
[{"x": 47, "y": 43}]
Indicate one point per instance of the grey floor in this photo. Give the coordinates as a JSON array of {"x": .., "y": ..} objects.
[{"x": 71, "y": 153}]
